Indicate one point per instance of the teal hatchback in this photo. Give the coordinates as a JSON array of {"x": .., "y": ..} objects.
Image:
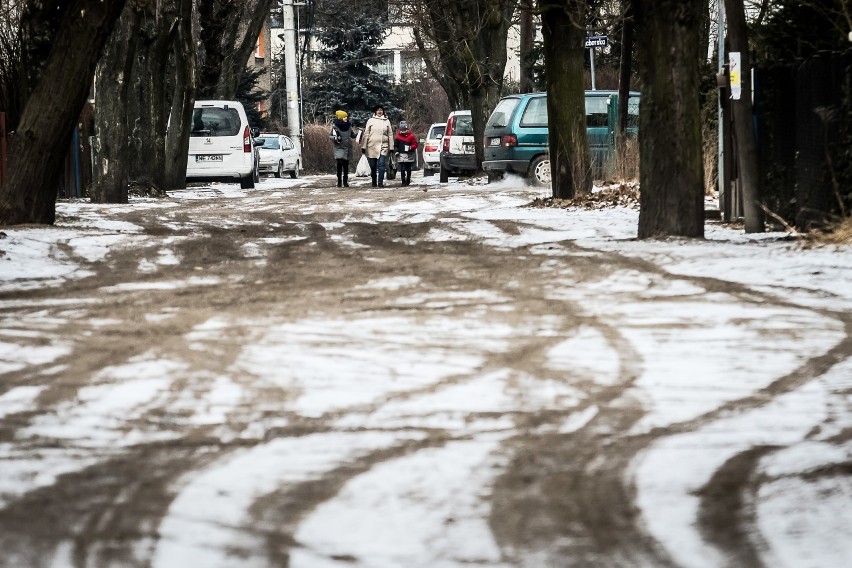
[{"x": 516, "y": 134}]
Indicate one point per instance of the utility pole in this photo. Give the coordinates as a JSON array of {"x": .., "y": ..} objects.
[
  {"x": 722, "y": 172},
  {"x": 291, "y": 78}
]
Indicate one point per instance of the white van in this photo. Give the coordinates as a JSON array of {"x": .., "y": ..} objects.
[
  {"x": 458, "y": 154},
  {"x": 221, "y": 147}
]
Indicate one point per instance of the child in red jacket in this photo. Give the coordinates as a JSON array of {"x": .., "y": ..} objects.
[{"x": 405, "y": 151}]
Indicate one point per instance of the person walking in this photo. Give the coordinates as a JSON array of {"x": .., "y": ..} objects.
[
  {"x": 376, "y": 143},
  {"x": 405, "y": 151},
  {"x": 341, "y": 136}
]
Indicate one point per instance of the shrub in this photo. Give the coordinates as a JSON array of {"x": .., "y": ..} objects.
[
  {"x": 623, "y": 163},
  {"x": 317, "y": 151}
]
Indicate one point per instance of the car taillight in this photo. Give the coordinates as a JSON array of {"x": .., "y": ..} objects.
[
  {"x": 509, "y": 140},
  {"x": 430, "y": 148},
  {"x": 448, "y": 131},
  {"x": 247, "y": 140}
]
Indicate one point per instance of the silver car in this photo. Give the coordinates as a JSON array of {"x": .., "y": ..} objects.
[{"x": 278, "y": 154}]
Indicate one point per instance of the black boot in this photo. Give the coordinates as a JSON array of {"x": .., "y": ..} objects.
[
  {"x": 339, "y": 183},
  {"x": 345, "y": 180}
]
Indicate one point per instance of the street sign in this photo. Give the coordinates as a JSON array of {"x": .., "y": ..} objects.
[{"x": 596, "y": 41}]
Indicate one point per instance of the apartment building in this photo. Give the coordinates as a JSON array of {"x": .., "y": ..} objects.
[{"x": 399, "y": 56}]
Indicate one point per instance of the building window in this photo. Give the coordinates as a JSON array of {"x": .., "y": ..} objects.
[
  {"x": 412, "y": 65},
  {"x": 384, "y": 65},
  {"x": 260, "y": 47}
]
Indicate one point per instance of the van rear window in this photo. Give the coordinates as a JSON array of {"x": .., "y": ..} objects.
[
  {"x": 503, "y": 113},
  {"x": 463, "y": 126},
  {"x": 214, "y": 121}
]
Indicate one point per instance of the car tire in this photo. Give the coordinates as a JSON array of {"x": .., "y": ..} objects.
[
  {"x": 539, "y": 172},
  {"x": 280, "y": 171},
  {"x": 248, "y": 181},
  {"x": 294, "y": 174},
  {"x": 444, "y": 175},
  {"x": 255, "y": 175},
  {"x": 427, "y": 171}
]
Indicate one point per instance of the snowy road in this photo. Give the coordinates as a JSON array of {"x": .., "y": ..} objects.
[{"x": 435, "y": 376}]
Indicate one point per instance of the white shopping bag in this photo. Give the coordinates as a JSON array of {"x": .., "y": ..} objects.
[{"x": 363, "y": 167}]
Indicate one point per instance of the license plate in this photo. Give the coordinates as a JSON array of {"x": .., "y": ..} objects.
[
  {"x": 494, "y": 142},
  {"x": 208, "y": 158},
  {"x": 468, "y": 148}
]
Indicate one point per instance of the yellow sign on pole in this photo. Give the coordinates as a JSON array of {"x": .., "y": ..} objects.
[{"x": 734, "y": 72}]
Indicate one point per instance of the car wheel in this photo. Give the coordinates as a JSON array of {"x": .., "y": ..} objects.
[
  {"x": 248, "y": 181},
  {"x": 427, "y": 171},
  {"x": 444, "y": 175},
  {"x": 539, "y": 172},
  {"x": 294, "y": 174},
  {"x": 255, "y": 175},
  {"x": 280, "y": 171}
]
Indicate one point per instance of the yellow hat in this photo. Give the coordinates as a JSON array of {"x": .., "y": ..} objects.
[{"x": 341, "y": 114}]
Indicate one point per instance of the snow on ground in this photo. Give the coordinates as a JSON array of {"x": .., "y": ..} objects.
[{"x": 702, "y": 340}]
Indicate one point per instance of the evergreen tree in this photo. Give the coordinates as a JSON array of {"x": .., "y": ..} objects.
[
  {"x": 799, "y": 29},
  {"x": 250, "y": 95},
  {"x": 350, "y": 33}
]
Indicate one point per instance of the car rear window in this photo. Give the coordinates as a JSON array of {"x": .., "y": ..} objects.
[
  {"x": 536, "y": 112},
  {"x": 270, "y": 143},
  {"x": 215, "y": 121},
  {"x": 501, "y": 115},
  {"x": 437, "y": 132}
]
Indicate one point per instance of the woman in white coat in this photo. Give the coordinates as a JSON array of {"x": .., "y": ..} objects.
[{"x": 378, "y": 136}]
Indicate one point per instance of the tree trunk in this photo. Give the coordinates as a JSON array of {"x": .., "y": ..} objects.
[
  {"x": 625, "y": 70},
  {"x": 486, "y": 78},
  {"x": 228, "y": 37},
  {"x": 112, "y": 168},
  {"x": 671, "y": 168},
  {"x": 563, "y": 34},
  {"x": 469, "y": 37},
  {"x": 148, "y": 109},
  {"x": 54, "y": 97},
  {"x": 744, "y": 121},
  {"x": 527, "y": 42},
  {"x": 183, "y": 100}
]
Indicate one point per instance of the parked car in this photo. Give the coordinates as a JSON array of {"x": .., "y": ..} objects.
[
  {"x": 278, "y": 154},
  {"x": 457, "y": 150},
  {"x": 516, "y": 134},
  {"x": 432, "y": 148},
  {"x": 221, "y": 147}
]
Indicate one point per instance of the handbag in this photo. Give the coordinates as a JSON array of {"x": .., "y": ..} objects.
[
  {"x": 390, "y": 168},
  {"x": 363, "y": 167}
]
